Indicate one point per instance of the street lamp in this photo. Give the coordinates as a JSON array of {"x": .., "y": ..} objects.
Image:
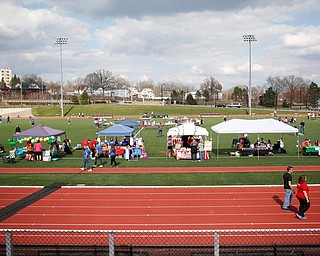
[
  {"x": 61, "y": 41},
  {"x": 249, "y": 38}
]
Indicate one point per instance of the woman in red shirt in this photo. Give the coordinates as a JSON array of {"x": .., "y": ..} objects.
[{"x": 303, "y": 196}]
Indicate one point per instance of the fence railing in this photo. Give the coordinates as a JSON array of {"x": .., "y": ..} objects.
[{"x": 280, "y": 242}]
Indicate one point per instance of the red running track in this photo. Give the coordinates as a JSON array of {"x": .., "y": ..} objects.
[{"x": 158, "y": 208}]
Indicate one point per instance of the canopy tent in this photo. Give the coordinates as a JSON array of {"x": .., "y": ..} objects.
[
  {"x": 117, "y": 130},
  {"x": 260, "y": 126},
  {"x": 129, "y": 122},
  {"x": 187, "y": 129},
  {"x": 41, "y": 131},
  {"x": 253, "y": 126}
]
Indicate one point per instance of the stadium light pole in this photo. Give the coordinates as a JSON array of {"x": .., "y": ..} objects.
[
  {"x": 249, "y": 38},
  {"x": 61, "y": 41}
]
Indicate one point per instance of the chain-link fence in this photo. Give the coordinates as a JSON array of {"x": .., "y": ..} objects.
[{"x": 284, "y": 242}]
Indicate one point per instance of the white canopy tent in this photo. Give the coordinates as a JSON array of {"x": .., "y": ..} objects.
[
  {"x": 186, "y": 129},
  {"x": 260, "y": 126}
]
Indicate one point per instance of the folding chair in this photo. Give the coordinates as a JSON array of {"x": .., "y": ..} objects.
[{"x": 11, "y": 158}]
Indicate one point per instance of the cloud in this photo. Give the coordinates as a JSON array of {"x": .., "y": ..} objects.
[{"x": 180, "y": 40}]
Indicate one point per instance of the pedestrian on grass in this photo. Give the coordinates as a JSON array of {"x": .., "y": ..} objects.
[
  {"x": 303, "y": 197},
  {"x": 37, "y": 148},
  {"x": 302, "y": 126},
  {"x": 201, "y": 150},
  {"x": 194, "y": 149},
  {"x": 86, "y": 159},
  {"x": 8, "y": 119},
  {"x": 288, "y": 188},
  {"x": 160, "y": 127},
  {"x": 113, "y": 155},
  {"x": 98, "y": 155},
  {"x": 17, "y": 130}
]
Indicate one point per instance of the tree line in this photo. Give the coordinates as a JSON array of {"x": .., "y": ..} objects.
[{"x": 277, "y": 91}]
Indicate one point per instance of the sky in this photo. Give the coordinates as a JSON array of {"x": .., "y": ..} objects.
[{"x": 182, "y": 41}]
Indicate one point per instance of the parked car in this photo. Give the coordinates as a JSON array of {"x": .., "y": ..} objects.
[
  {"x": 234, "y": 105},
  {"x": 221, "y": 105}
]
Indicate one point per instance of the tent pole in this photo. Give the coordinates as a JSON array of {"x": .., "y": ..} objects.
[
  {"x": 298, "y": 145},
  {"x": 167, "y": 149},
  {"x": 218, "y": 145},
  {"x": 258, "y": 147}
]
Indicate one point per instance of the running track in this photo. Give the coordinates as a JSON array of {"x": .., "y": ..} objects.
[{"x": 158, "y": 208}]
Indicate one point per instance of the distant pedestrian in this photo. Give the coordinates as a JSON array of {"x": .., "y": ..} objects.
[
  {"x": 302, "y": 126},
  {"x": 160, "y": 127},
  {"x": 69, "y": 120},
  {"x": 8, "y": 119},
  {"x": 201, "y": 120},
  {"x": 0, "y": 119},
  {"x": 303, "y": 197},
  {"x": 17, "y": 130},
  {"x": 225, "y": 117},
  {"x": 288, "y": 188},
  {"x": 86, "y": 159},
  {"x": 32, "y": 121}
]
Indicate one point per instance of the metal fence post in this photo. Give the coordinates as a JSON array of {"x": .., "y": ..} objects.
[
  {"x": 216, "y": 243},
  {"x": 111, "y": 243},
  {"x": 9, "y": 246}
]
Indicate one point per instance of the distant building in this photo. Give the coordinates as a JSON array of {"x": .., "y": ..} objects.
[
  {"x": 120, "y": 91},
  {"x": 147, "y": 93},
  {"x": 6, "y": 75}
]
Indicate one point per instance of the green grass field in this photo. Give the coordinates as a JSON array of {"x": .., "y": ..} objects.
[{"x": 81, "y": 128}]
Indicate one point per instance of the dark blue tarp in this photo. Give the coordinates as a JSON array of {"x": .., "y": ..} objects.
[{"x": 117, "y": 130}]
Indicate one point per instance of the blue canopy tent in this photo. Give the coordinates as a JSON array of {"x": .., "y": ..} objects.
[
  {"x": 129, "y": 122},
  {"x": 117, "y": 130}
]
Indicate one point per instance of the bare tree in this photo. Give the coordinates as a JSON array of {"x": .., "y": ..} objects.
[
  {"x": 32, "y": 79},
  {"x": 105, "y": 79},
  {"x": 90, "y": 81},
  {"x": 213, "y": 86}
]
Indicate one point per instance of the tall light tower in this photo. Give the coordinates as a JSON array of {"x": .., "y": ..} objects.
[
  {"x": 61, "y": 41},
  {"x": 249, "y": 38}
]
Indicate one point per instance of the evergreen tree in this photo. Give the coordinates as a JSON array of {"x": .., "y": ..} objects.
[
  {"x": 313, "y": 94},
  {"x": 268, "y": 99},
  {"x": 84, "y": 98},
  {"x": 191, "y": 100}
]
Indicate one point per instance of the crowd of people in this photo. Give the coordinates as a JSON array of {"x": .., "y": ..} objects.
[
  {"x": 103, "y": 148},
  {"x": 269, "y": 147},
  {"x": 194, "y": 143}
]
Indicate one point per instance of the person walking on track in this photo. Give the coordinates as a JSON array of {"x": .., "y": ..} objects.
[
  {"x": 288, "y": 188},
  {"x": 303, "y": 197}
]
